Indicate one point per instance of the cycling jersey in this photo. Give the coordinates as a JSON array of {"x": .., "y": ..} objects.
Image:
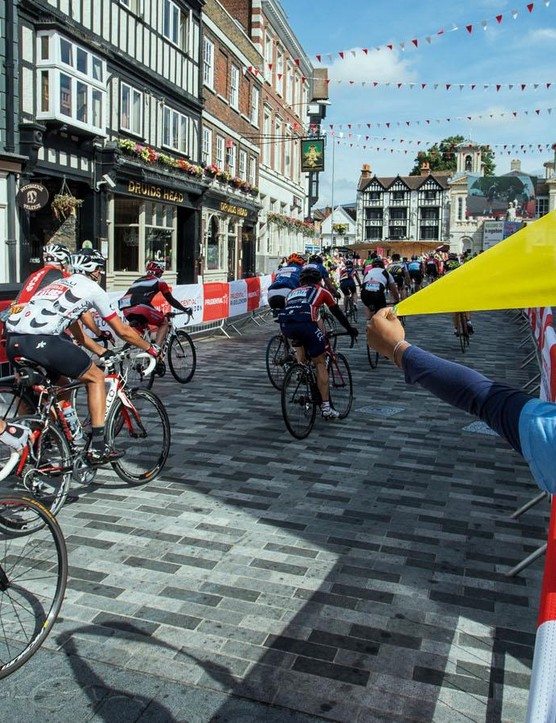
[
  {"x": 303, "y": 304},
  {"x": 38, "y": 280},
  {"x": 143, "y": 291},
  {"x": 398, "y": 270},
  {"x": 286, "y": 278},
  {"x": 56, "y": 306},
  {"x": 347, "y": 273},
  {"x": 321, "y": 267},
  {"x": 377, "y": 279},
  {"x": 414, "y": 266}
]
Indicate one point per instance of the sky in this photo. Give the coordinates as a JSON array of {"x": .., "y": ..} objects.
[{"x": 491, "y": 54}]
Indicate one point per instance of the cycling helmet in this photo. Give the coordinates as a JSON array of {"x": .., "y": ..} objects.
[
  {"x": 156, "y": 268},
  {"x": 296, "y": 259},
  {"x": 315, "y": 259},
  {"x": 87, "y": 261},
  {"x": 310, "y": 275},
  {"x": 56, "y": 253},
  {"x": 349, "y": 263},
  {"x": 378, "y": 263}
]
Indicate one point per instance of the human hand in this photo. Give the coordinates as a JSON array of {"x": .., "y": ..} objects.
[{"x": 384, "y": 331}]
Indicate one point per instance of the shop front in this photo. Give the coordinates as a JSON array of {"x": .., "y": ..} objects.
[{"x": 229, "y": 238}]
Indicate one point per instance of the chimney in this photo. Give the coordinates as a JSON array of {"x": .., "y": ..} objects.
[
  {"x": 515, "y": 165},
  {"x": 425, "y": 168},
  {"x": 365, "y": 171}
]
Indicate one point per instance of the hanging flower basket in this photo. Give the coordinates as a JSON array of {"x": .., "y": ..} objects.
[{"x": 64, "y": 205}]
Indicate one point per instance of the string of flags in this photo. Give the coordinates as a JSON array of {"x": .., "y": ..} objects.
[
  {"x": 418, "y": 42},
  {"x": 359, "y": 141},
  {"x": 443, "y": 86},
  {"x": 426, "y": 122}
]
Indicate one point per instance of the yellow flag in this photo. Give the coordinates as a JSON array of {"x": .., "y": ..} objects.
[{"x": 514, "y": 274}]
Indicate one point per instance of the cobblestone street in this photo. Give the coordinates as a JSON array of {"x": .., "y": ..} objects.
[{"x": 355, "y": 576}]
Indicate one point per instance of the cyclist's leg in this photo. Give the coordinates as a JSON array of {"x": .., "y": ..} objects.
[{"x": 345, "y": 292}]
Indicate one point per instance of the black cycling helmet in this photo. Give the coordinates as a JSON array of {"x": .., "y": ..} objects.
[
  {"x": 315, "y": 259},
  {"x": 87, "y": 261},
  {"x": 378, "y": 263},
  {"x": 310, "y": 275},
  {"x": 349, "y": 262}
]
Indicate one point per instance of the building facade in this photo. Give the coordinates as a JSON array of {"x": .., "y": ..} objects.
[{"x": 405, "y": 214}]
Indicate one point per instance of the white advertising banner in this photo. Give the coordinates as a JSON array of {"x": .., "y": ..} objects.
[{"x": 238, "y": 297}]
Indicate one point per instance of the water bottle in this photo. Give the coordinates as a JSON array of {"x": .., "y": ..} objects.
[{"x": 72, "y": 419}]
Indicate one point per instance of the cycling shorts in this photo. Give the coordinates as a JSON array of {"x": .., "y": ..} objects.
[
  {"x": 57, "y": 354},
  {"x": 144, "y": 314},
  {"x": 347, "y": 286},
  {"x": 416, "y": 276},
  {"x": 400, "y": 281},
  {"x": 373, "y": 300},
  {"x": 307, "y": 334}
]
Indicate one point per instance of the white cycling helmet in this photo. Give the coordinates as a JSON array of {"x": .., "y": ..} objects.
[
  {"x": 87, "y": 261},
  {"x": 56, "y": 253}
]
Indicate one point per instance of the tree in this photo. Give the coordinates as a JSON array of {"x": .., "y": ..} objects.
[{"x": 442, "y": 157}]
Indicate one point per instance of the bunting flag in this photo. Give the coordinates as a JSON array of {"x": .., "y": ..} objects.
[
  {"x": 415, "y": 42},
  {"x": 516, "y": 273}
]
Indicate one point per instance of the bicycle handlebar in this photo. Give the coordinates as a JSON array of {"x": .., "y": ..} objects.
[
  {"x": 117, "y": 356},
  {"x": 342, "y": 333},
  {"x": 171, "y": 314}
]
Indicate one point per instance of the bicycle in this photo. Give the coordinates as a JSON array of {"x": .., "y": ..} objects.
[
  {"x": 462, "y": 331},
  {"x": 300, "y": 396},
  {"x": 57, "y": 452},
  {"x": 178, "y": 349},
  {"x": 279, "y": 357},
  {"x": 33, "y": 577},
  {"x": 351, "y": 310}
]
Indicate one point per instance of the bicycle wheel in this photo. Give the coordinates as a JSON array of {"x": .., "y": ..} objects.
[
  {"x": 46, "y": 474},
  {"x": 340, "y": 383},
  {"x": 353, "y": 313},
  {"x": 33, "y": 575},
  {"x": 372, "y": 356},
  {"x": 142, "y": 430},
  {"x": 278, "y": 359},
  {"x": 182, "y": 357},
  {"x": 463, "y": 336},
  {"x": 299, "y": 406}
]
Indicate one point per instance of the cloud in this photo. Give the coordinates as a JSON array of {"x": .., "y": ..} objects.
[{"x": 383, "y": 66}]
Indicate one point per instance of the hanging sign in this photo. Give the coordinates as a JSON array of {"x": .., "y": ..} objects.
[
  {"x": 312, "y": 155},
  {"x": 32, "y": 197}
]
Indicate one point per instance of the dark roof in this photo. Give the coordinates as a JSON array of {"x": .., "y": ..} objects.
[{"x": 412, "y": 182}]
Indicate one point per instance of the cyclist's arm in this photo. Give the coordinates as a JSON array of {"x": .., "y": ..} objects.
[
  {"x": 89, "y": 322},
  {"x": 174, "y": 302}
]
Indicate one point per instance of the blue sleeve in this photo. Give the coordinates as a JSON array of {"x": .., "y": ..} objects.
[{"x": 499, "y": 405}]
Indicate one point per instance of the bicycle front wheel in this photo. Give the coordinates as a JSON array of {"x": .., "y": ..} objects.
[
  {"x": 182, "y": 357},
  {"x": 277, "y": 360},
  {"x": 299, "y": 406},
  {"x": 142, "y": 430},
  {"x": 33, "y": 575},
  {"x": 341, "y": 384}
]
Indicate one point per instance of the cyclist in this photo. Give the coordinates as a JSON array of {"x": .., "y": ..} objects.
[
  {"x": 375, "y": 284},
  {"x": 37, "y": 333},
  {"x": 400, "y": 274},
  {"x": 349, "y": 275},
  {"x": 299, "y": 321},
  {"x": 316, "y": 261},
  {"x": 136, "y": 302},
  {"x": 431, "y": 269},
  {"x": 415, "y": 268},
  {"x": 286, "y": 279}
]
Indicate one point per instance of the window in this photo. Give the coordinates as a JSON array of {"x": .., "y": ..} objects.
[
  {"x": 255, "y": 95},
  {"x": 398, "y": 195},
  {"x": 243, "y": 165},
  {"x": 126, "y": 234},
  {"x": 541, "y": 207},
  {"x": 289, "y": 85},
  {"x": 207, "y": 147},
  {"x": 159, "y": 232},
  {"x": 136, "y": 6},
  {"x": 131, "y": 109},
  {"x": 175, "y": 25},
  {"x": 71, "y": 83},
  {"x": 430, "y": 195},
  {"x": 279, "y": 79},
  {"x": 287, "y": 156},
  {"x": 231, "y": 158},
  {"x": 253, "y": 171},
  {"x": 460, "y": 209},
  {"x": 375, "y": 196},
  {"x": 213, "y": 254},
  {"x": 175, "y": 130},
  {"x": 208, "y": 63},
  {"x": 267, "y": 140},
  {"x": 234, "y": 87},
  {"x": 278, "y": 146},
  {"x": 268, "y": 56},
  {"x": 220, "y": 145}
]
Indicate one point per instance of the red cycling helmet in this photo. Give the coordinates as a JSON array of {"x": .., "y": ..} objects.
[
  {"x": 296, "y": 259},
  {"x": 156, "y": 268}
]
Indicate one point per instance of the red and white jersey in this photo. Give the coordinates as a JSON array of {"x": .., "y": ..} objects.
[
  {"x": 303, "y": 304},
  {"x": 56, "y": 306}
]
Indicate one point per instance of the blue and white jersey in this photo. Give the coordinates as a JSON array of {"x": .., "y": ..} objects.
[{"x": 287, "y": 277}]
